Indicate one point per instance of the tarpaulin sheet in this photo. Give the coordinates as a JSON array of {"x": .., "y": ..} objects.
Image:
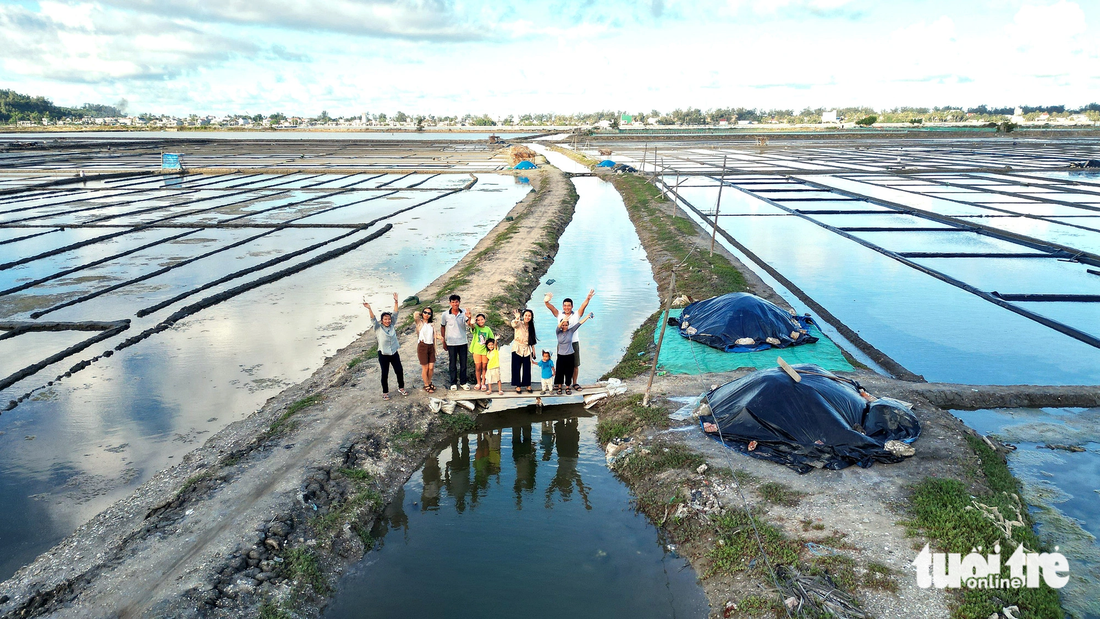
[
  {"x": 742, "y": 322},
  {"x": 821, "y": 422},
  {"x": 682, "y": 356}
]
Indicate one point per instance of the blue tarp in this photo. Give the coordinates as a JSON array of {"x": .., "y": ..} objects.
[
  {"x": 606, "y": 163},
  {"x": 525, "y": 165}
]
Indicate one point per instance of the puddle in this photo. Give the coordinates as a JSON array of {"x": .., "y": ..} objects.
[
  {"x": 167, "y": 394},
  {"x": 522, "y": 514}
]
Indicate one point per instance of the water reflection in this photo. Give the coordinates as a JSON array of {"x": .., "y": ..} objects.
[{"x": 520, "y": 513}]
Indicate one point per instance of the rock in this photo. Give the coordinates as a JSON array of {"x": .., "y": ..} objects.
[
  {"x": 265, "y": 576},
  {"x": 899, "y": 448},
  {"x": 702, "y": 469},
  {"x": 271, "y": 543},
  {"x": 267, "y": 566},
  {"x": 278, "y": 529}
]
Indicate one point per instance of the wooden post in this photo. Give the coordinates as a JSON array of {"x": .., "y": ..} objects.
[
  {"x": 660, "y": 338},
  {"x": 645, "y": 150},
  {"x": 676, "y": 194},
  {"x": 714, "y": 230}
]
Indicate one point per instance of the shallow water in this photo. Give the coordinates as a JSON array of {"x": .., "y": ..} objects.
[
  {"x": 279, "y": 135},
  {"x": 83, "y": 443},
  {"x": 524, "y": 514},
  {"x": 520, "y": 517},
  {"x": 1061, "y": 487}
]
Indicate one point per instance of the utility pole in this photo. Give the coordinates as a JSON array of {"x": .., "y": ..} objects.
[
  {"x": 660, "y": 338},
  {"x": 714, "y": 229}
]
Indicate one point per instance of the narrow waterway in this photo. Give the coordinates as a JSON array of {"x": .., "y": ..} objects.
[{"x": 522, "y": 515}]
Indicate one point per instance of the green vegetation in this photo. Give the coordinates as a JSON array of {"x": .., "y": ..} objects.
[
  {"x": 737, "y": 547},
  {"x": 867, "y": 121},
  {"x": 622, "y": 416},
  {"x": 780, "y": 494},
  {"x": 754, "y": 605},
  {"x": 405, "y": 439},
  {"x": 302, "y": 566},
  {"x": 15, "y": 107},
  {"x": 880, "y": 576},
  {"x": 284, "y": 423},
  {"x": 660, "y": 459},
  {"x": 362, "y": 497},
  {"x": 269, "y": 610},
  {"x": 193, "y": 481},
  {"x": 365, "y": 356},
  {"x": 457, "y": 423},
  {"x": 947, "y": 512}
]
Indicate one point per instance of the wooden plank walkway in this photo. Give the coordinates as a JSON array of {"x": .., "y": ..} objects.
[{"x": 510, "y": 394}]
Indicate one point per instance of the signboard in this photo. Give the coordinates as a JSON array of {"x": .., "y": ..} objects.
[{"x": 170, "y": 161}]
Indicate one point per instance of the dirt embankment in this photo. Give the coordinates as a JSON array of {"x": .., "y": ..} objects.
[{"x": 267, "y": 513}]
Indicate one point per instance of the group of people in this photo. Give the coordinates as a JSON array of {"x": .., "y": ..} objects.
[{"x": 463, "y": 334}]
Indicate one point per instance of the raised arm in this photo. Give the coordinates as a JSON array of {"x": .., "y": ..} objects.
[
  {"x": 395, "y": 306},
  {"x": 370, "y": 311},
  {"x": 584, "y": 304},
  {"x": 546, "y": 301},
  {"x": 586, "y": 319}
]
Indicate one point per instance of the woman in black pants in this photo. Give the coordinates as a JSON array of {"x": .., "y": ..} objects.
[
  {"x": 523, "y": 349},
  {"x": 386, "y": 333}
]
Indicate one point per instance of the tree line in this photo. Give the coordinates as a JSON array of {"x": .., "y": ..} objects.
[{"x": 15, "y": 107}]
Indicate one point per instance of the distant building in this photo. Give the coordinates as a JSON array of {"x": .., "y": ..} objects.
[
  {"x": 829, "y": 116},
  {"x": 626, "y": 119}
]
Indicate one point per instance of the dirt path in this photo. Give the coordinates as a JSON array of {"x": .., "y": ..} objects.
[{"x": 242, "y": 519}]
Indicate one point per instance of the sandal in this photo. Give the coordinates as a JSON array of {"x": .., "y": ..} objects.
[
  {"x": 385, "y": 396},
  {"x": 528, "y": 390},
  {"x": 402, "y": 391},
  {"x": 568, "y": 391},
  {"x": 559, "y": 390},
  {"x": 518, "y": 390},
  {"x": 576, "y": 387}
]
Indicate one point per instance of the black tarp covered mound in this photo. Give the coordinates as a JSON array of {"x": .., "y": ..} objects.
[
  {"x": 821, "y": 422},
  {"x": 729, "y": 321}
]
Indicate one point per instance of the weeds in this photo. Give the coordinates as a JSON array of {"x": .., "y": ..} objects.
[
  {"x": 939, "y": 508},
  {"x": 405, "y": 439},
  {"x": 284, "y": 423},
  {"x": 302, "y": 566},
  {"x": 737, "y": 549},
  {"x": 880, "y": 576},
  {"x": 627, "y": 415},
  {"x": 780, "y": 494},
  {"x": 363, "y": 357},
  {"x": 660, "y": 459},
  {"x": 457, "y": 423}
]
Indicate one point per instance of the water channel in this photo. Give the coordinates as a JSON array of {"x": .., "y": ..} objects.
[{"x": 522, "y": 516}]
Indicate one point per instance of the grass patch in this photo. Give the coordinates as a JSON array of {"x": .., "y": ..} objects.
[
  {"x": 361, "y": 497},
  {"x": 737, "y": 550},
  {"x": 780, "y": 494},
  {"x": 880, "y": 576},
  {"x": 366, "y": 356},
  {"x": 756, "y": 605},
  {"x": 841, "y": 570},
  {"x": 624, "y": 416},
  {"x": 193, "y": 481},
  {"x": 302, "y": 565},
  {"x": 939, "y": 509},
  {"x": 270, "y": 610},
  {"x": 284, "y": 423},
  {"x": 660, "y": 459},
  {"x": 405, "y": 439},
  {"x": 457, "y": 423}
]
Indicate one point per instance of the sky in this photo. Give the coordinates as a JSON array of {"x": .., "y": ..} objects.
[{"x": 447, "y": 57}]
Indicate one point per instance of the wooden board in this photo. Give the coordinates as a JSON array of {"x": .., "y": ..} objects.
[{"x": 510, "y": 394}]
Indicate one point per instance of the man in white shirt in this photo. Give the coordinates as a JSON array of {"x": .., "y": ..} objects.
[
  {"x": 574, "y": 318},
  {"x": 453, "y": 328}
]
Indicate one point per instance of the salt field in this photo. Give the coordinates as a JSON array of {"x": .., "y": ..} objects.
[{"x": 139, "y": 249}]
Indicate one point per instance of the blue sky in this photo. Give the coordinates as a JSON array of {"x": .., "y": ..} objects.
[{"x": 454, "y": 57}]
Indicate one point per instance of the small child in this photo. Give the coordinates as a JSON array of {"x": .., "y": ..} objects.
[
  {"x": 547, "y": 372},
  {"x": 492, "y": 370}
]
